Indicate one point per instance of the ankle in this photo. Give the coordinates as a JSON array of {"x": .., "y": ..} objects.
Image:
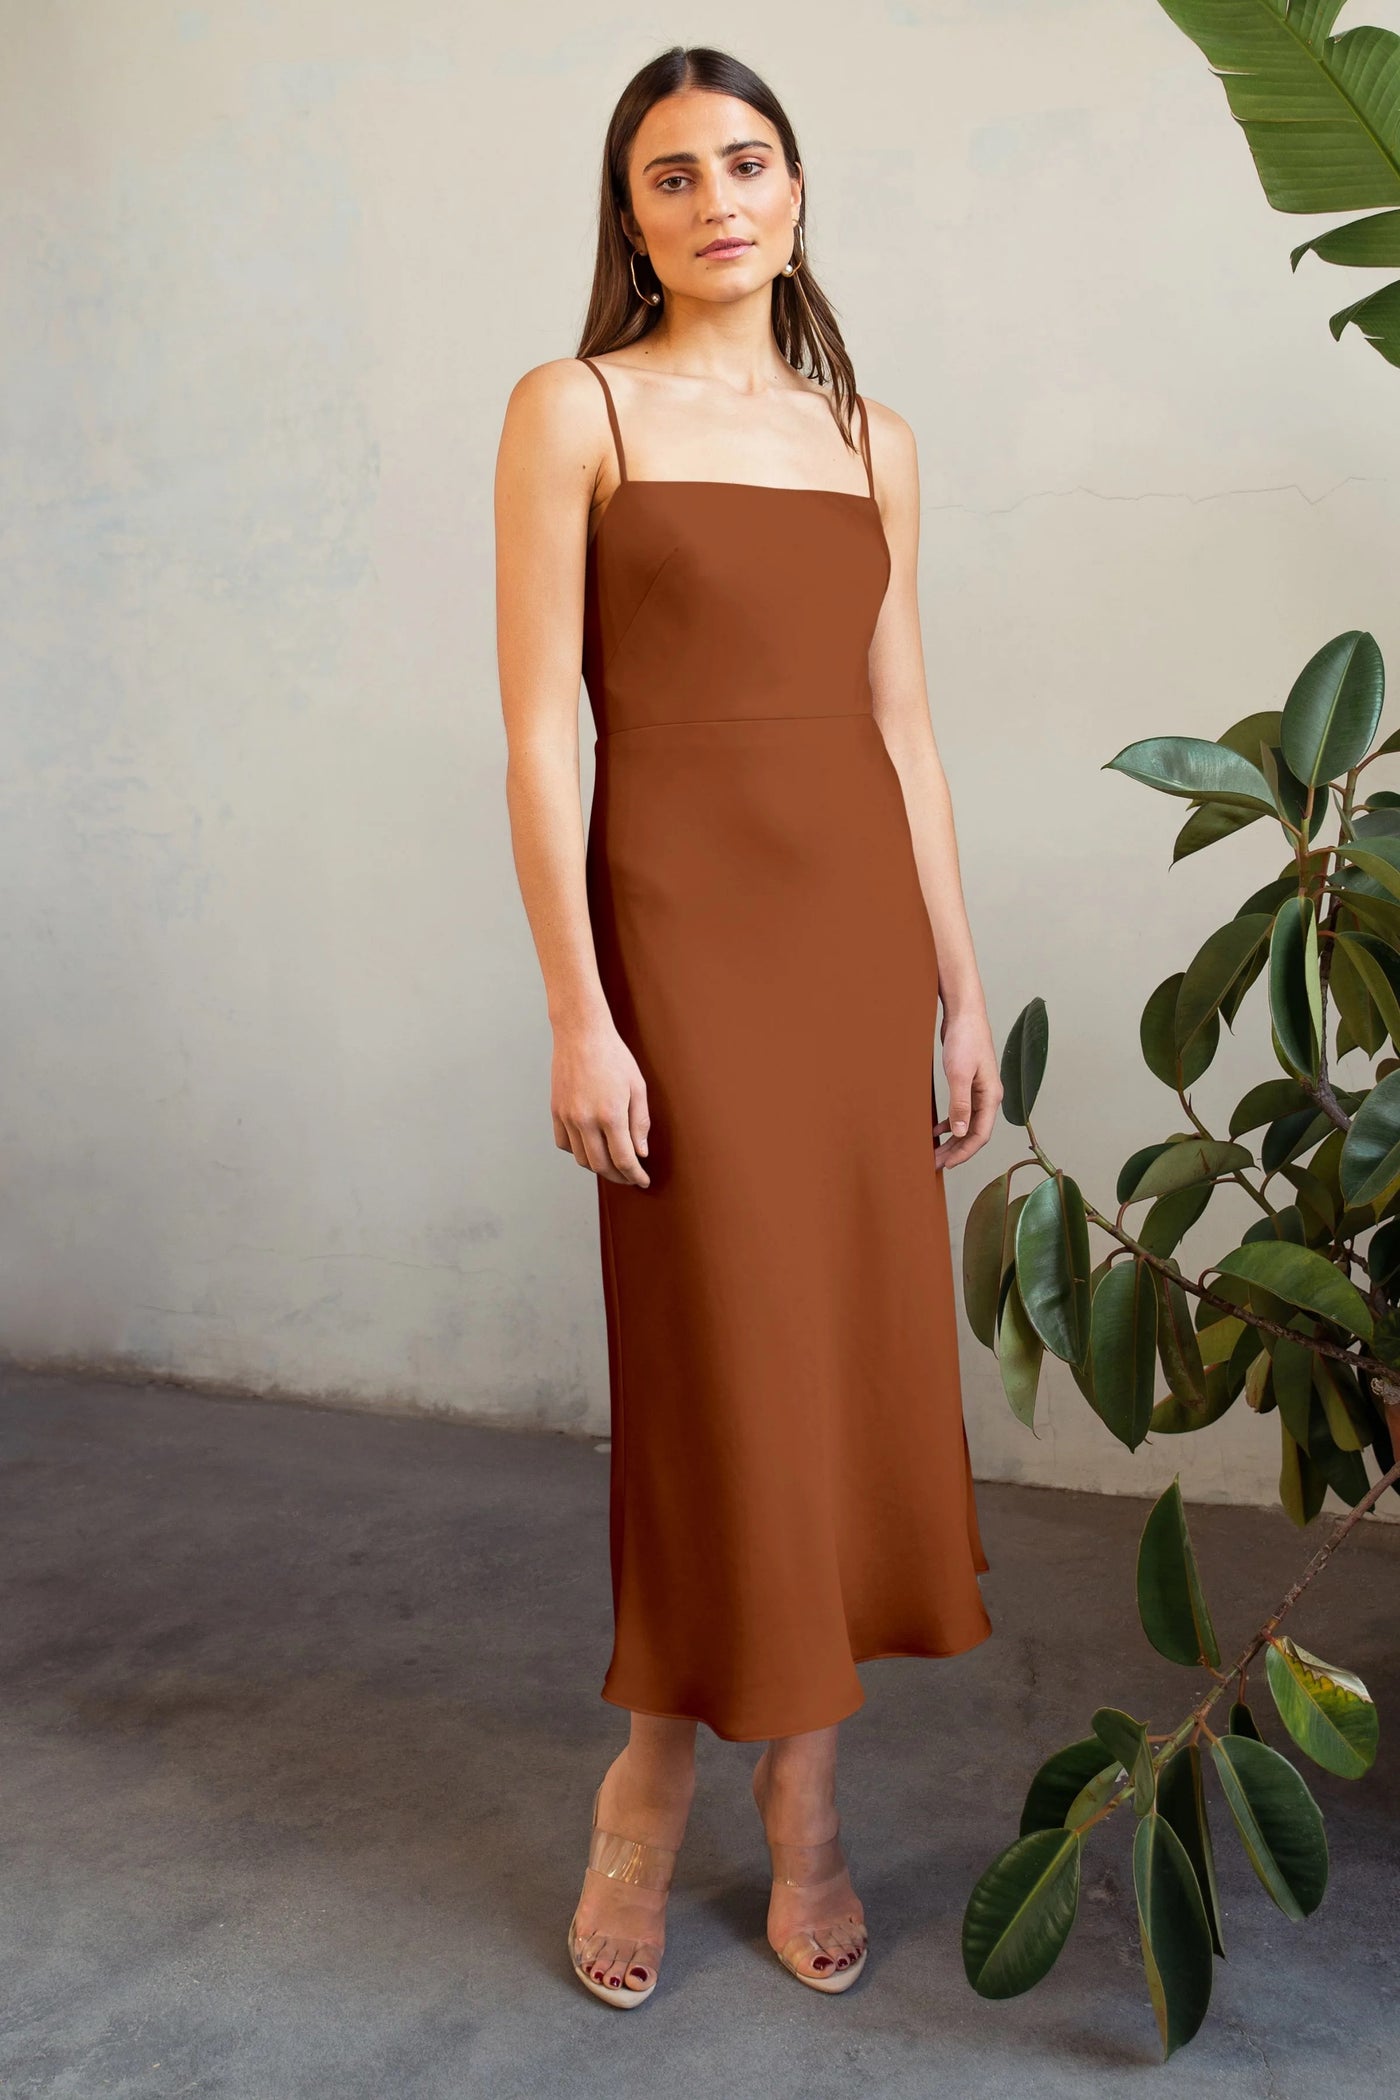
[
  {"x": 794, "y": 1778},
  {"x": 649, "y": 1792},
  {"x": 794, "y": 1800}
]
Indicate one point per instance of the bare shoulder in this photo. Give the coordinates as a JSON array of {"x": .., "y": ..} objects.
[
  {"x": 891, "y": 438},
  {"x": 558, "y": 404}
]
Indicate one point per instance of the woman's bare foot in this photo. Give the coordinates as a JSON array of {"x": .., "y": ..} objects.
[
  {"x": 620, "y": 1928},
  {"x": 795, "y": 1795}
]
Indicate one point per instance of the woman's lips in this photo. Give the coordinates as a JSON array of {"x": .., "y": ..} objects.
[{"x": 726, "y": 248}]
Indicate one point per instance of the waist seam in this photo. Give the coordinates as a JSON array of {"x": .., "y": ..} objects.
[{"x": 846, "y": 714}]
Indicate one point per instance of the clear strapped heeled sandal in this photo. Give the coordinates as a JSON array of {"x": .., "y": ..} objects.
[
  {"x": 644, "y": 1866},
  {"x": 840, "y": 1940}
]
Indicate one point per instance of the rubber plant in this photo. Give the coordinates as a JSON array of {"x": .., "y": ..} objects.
[{"x": 1300, "y": 1319}]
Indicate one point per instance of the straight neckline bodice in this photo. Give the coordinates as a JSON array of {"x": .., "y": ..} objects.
[
  {"x": 771, "y": 488},
  {"x": 768, "y": 488}
]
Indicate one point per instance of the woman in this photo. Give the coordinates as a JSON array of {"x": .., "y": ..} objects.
[{"x": 743, "y": 961}]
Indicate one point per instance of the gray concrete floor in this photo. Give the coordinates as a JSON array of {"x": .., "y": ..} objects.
[{"x": 300, "y": 1724}]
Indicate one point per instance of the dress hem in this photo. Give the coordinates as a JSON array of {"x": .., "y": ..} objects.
[{"x": 766, "y": 1735}]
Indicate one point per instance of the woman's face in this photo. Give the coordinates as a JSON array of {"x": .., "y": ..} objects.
[{"x": 713, "y": 204}]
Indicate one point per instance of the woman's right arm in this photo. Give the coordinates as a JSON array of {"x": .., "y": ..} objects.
[{"x": 553, "y": 444}]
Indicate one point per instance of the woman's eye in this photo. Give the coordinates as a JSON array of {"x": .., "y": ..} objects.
[
  {"x": 756, "y": 165},
  {"x": 667, "y": 180}
]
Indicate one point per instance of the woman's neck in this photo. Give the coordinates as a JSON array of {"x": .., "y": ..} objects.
[{"x": 731, "y": 344}]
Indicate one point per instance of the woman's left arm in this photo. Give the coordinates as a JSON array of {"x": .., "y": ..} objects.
[{"x": 900, "y": 692}]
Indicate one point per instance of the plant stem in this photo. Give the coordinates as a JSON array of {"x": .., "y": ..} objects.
[{"x": 1196, "y": 1718}]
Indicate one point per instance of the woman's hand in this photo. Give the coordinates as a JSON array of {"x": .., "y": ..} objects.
[
  {"x": 598, "y": 1099},
  {"x": 971, "y": 1068}
]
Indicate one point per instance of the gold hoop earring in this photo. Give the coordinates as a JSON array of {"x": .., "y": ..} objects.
[
  {"x": 795, "y": 262},
  {"x": 650, "y": 298}
]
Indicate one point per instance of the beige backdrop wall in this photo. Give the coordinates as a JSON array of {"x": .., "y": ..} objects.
[{"x": 276, "y": 1061}]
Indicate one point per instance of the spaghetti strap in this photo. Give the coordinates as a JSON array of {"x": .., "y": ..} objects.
[
  {"x": 865, "y": 443},
  {"x": 612, "y": 416}
]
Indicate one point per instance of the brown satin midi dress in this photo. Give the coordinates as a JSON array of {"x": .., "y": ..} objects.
[{"x": 790, "y": 1487}]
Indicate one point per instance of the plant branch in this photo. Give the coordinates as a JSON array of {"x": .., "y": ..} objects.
[
  {"x": 1196, "y": 1718},
  {"x": 1320, "y": 1347}
]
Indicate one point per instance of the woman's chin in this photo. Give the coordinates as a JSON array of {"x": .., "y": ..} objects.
[{"x": 725, "y": 287}]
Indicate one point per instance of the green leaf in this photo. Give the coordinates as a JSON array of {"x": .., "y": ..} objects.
[
  {"x": 1341, "y": 1406},
  {"x": 1377, "y": 316},
  {"x": 1328, "y": 1712},
  {"x": 1252, "y": 1298},
  {"x": 1059, "y": 1781},
  {"x": 1185, "y": 1161},
  {"x": 1362, "y": 1022},
  {"x": 988, "y": 1240},
  {"x": 1157, "y": 1035},
  {"x": 1279, "y": 1823},
  {"x": 1344, "y": 1470},
  {"x": 1176, "y": 1943},
  {"x": 1264, "y": 726},
  {"x": 1303, "y": 1277},
  {"x": 1380, "y": 859},
  {"x": 1338, "y": 93},
  {"x": 1171, "y": 1604},
  {"x": 1171, "y": 1417},
  {"x": 1289, "y": 1136},
  {"x": 1295, "y": 988},
  {"x": 1302, "y": 1488},
  {"x": 1126, "y": 1739},
  {"x": 1242, "y": 1721},
  {"x": 1019, "y": 1914},
  {"x": 1181, "y": 1800},
  {"x": 1052, "y": 1266},
  {"x": 1136, "y": 1165},
  {"x": 1365, "y": 244},
  {"x": 1218, "y": 1334},
  {"x": 1094, "y": 1795},
  {"x": 1023, "y": 1061},
  {"x": 1267, "y": 1102},
  {"x": 1333, "y": 711},
  {"x": 1171, "y": 1218},
  {"x": 1317, "y": 1207},
  {"x": 1292, "y": 798},
  {"x": 1271, "y": 895},
  {"x": 1258, "y": 1384},
  {"x": 1293, "y": 1386},
  {"x": 1370, "y": 1162},
  {"x": 1317, "y": 110},
  {"x": 1123, "y": 1350},
  {"x": 1208, "y": 825},
  {"x": 1383, "y": 1257},
  {"x": 1019, "y": 1354},
  {"x": 1190, "y": 766},
  {"x": 1178, "y": 1345},
  {"x": 1377, "y": 914},
  {"x": 1378, "y": 967},
  {"x": 1220, "y": 967}
]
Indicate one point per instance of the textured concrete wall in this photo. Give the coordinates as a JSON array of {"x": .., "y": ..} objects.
[{"x": 275, "y": 1077}]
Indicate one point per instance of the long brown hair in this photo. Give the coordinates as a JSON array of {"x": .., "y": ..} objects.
[{"x": 804, "y": 322}]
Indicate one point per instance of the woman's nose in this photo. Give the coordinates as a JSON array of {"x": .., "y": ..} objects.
[{"x": 715, "y": 200}]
